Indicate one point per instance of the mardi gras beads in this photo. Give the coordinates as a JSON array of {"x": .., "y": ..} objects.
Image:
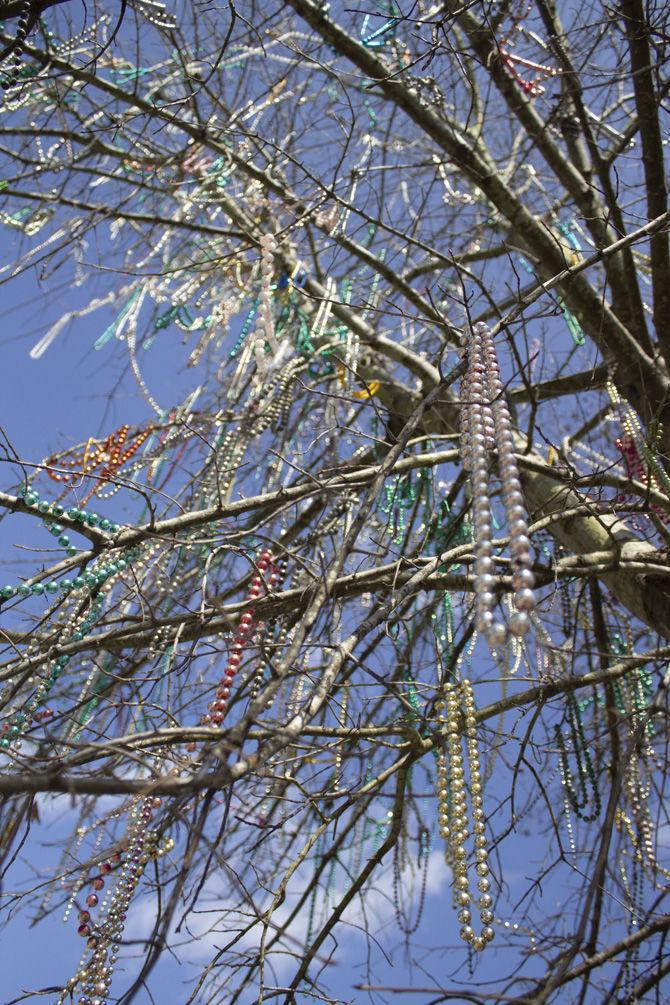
[
  {"x": 264, "y": 335},
  {"x": 94, "y": 975},
  {"x": 459, "y": 704},
  {"x": 108, "y": 455},
  {"x": 485, "y": 426},
  {"x": 218, "y": 706}
]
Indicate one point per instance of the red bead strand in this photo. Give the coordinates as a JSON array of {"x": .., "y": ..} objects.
[{"x": 265, "y": 578}]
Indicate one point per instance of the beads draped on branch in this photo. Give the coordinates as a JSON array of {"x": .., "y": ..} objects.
[
  {"x": 264, "y": 334},
  {"x": 486, "y": 426}
]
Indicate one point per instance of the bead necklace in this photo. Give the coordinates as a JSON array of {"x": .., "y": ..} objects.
[
  {"x": 585, "y": 769},
  {"x": 17, "y": 48},
  {"x": 281, "y": 629},
  {"x": 635, "y": 469},
  {"x": 218, "y": 706},
  {"x": 404, "y": 925},
  {"x": 95, "y": 971},
  {"x": 452, "y": 810},
  {"x": 531, "y": 87},
  {"x": 633, "y": 427},
  {"x": 156, "y": 14},
  {"x": 264, "y": 334},
  {"x": 486, "y": 425},
  {"x": 108, "y": 455}
]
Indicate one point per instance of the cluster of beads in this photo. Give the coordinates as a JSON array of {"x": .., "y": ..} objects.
[
  {"x": 98, "y": 579},
  {"x": 12, "y": 730},
  {"x": 217, "y": 707},
  {"x": 632, "y": 428},
  {"x": 94, "y": 977},
  {"x": 485, "y": 426},
  {"x": 47, "y": 508},
  {"x": 17, "y": 48},
  {"x": 635, "y": 468},
  {"x": 265, "y": 328},
  {"x": 452, "y": 811},
  {"x": 88, "y": 581},
  {"x": 108, "y": 455},
  {"x": 531, "y": 87}
]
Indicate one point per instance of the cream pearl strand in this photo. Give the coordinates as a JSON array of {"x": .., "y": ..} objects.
[
  {"x": 486, "y": 425},
  {"x": 452, "y": 811}
]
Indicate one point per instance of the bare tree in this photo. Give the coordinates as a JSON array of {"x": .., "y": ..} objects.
[{"x": 415, "y": 260}]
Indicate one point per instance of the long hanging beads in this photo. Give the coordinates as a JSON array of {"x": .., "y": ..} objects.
[
  {"x": 94, "y": 976},
  {"x": 579, "y": 798},
  {"x": 268, "y": 570},
  {"x": 264, "y": 334},
  {"x": 486, "y": 425},
  {"x": 452, "y": 811}
]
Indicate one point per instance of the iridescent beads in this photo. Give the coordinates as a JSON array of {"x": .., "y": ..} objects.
[
  {"x": 459, "y": 706},
  {"x": 486, "y": 426}
]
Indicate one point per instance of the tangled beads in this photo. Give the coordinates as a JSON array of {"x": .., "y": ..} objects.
[{"x": 486, "y": 426}]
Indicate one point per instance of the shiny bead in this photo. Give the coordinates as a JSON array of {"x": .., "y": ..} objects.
[
  {"x": 485, "y": 601},
  {"x": 484, "y": 621},
  {"x": 519, "y": 623},
  {"x": 524, "y": 600},
  {"x": 523, "y": 579},
  {"x": 496, "y": 634}
]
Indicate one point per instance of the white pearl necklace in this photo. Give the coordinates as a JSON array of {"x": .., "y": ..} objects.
[{"x": 486, "y": 426}]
